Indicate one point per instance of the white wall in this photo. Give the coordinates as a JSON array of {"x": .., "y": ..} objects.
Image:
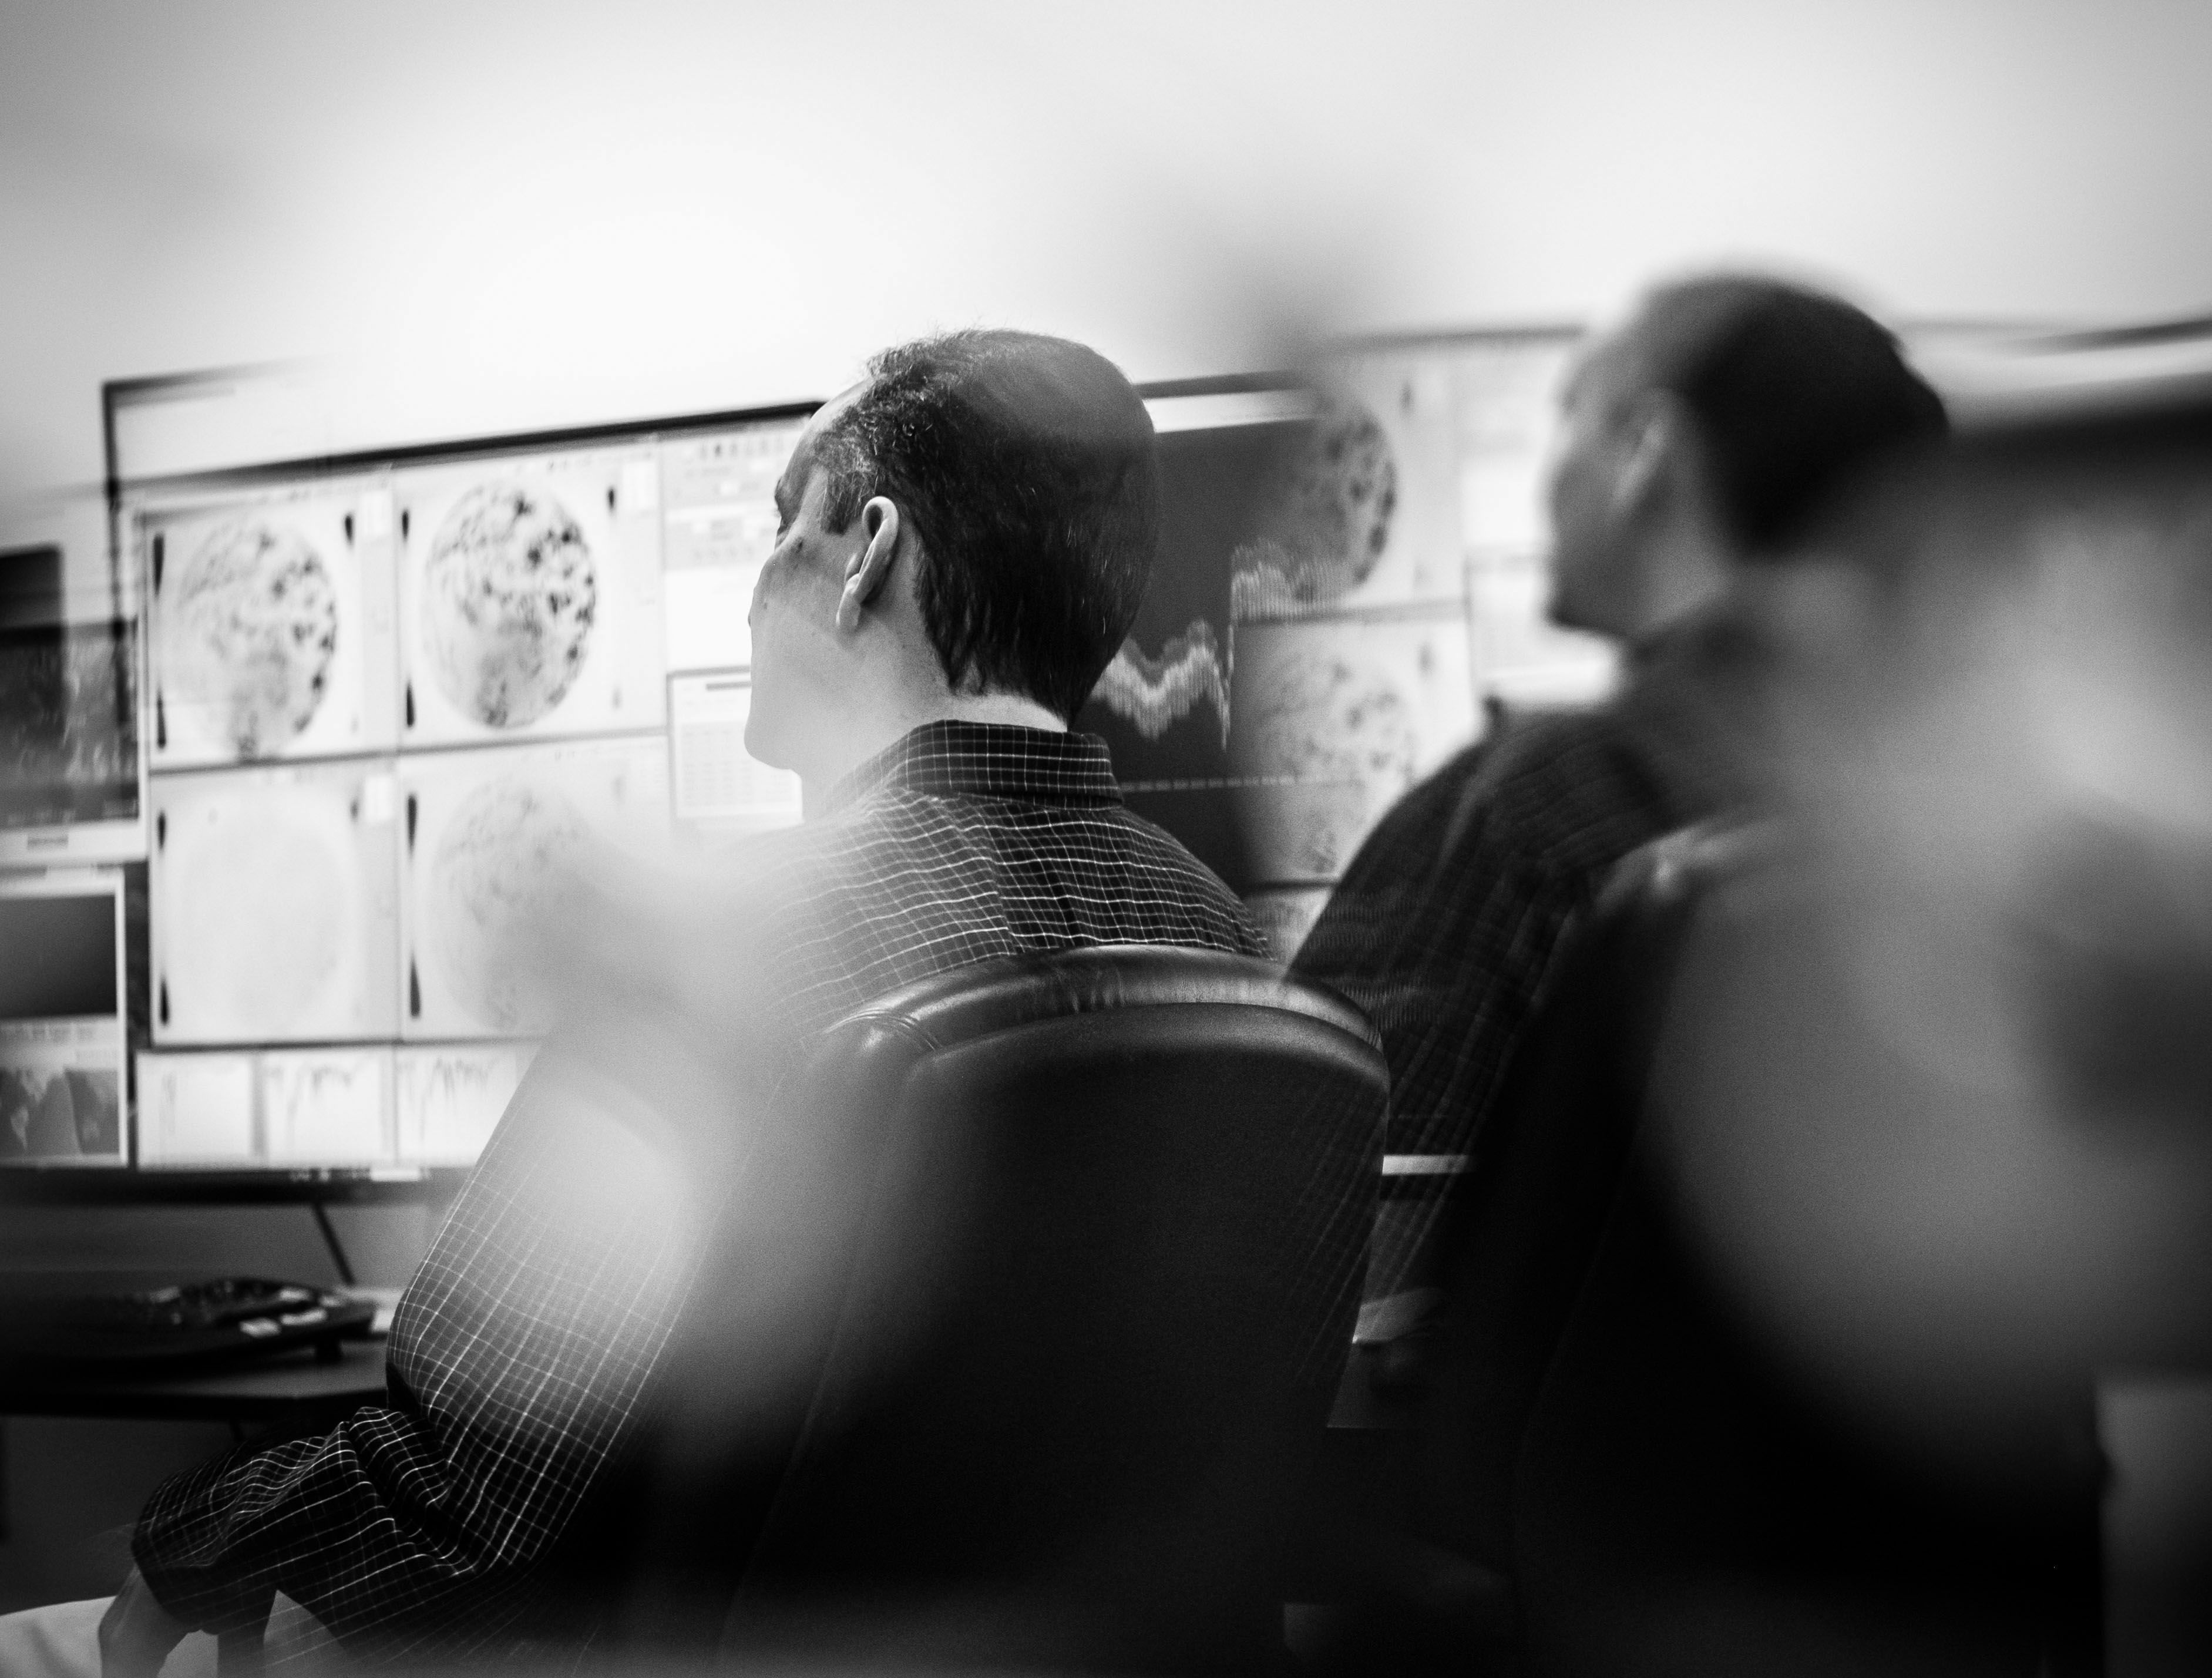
[{"x": 547, "y": 212}]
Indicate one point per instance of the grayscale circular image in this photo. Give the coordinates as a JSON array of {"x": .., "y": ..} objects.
[
  {"x": 509, "y": 598},
  {"x": 1326, "y": 516},
  {"x": 249, "y": 629},
  {"x": 497, "y": 873}
]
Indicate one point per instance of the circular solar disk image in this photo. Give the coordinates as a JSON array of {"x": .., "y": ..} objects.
[
  {"x": 509, "y": 598},
  {"x": 1328, "y": 514},
  {"x": 497, "y": 873},
  {"x": 250, "y": 628},
  {"x": 260, "y": 923}
]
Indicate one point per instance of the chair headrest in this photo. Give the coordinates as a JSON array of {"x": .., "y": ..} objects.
[{"x": 1010, "y": 991}]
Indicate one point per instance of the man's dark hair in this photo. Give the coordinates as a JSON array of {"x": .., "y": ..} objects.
[
  {"x": 1794, "y": 391},
  {"x": 1027, "y": 468}
]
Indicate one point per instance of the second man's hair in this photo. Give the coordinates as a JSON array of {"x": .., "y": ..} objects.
[{"x": 1795, "y": 393}]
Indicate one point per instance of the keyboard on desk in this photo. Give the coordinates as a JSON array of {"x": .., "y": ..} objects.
[{"x": 120, "y": 1321}]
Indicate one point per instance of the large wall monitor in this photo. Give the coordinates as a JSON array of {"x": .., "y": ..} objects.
[
  {"x": 391, "y": 698},
  {"x": 394, "y": 696},
  {"x": 1352, "y": 580}
]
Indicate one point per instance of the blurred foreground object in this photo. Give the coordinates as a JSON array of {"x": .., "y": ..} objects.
[
  {"x": 1927, "y": 1150},
  {"x": 1856, "y": 1172},
  {"x": 1980, "y": 1061}
]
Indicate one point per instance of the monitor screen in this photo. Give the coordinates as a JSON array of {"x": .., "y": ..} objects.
[
  {"x": 391, "y": 698},
  {"x": 62, "y": 1025},
  {"x": 1163, "y": 706},
  {"x": 69, "y": 717},
  {"x": 1350, "y": 582}
]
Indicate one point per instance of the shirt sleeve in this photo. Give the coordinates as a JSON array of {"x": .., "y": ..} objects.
[{"x": 517, "y": 1359}]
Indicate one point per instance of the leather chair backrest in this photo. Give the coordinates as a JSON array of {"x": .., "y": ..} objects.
[
  {"x": 1671, "y": 1495},
  {"x": 1093, "y": 1226},
  {"x": 1542, "y": 1186}
]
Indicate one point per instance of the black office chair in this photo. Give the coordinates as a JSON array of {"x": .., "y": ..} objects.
[
  {"x": 1090, "y": 1230},
  {"x": 1544, "y": 1179},
  {"x": 1431, "y": 1586},
  {"x": 1683, "y": 1496},
  {"x": 1607, "y": 1446}
]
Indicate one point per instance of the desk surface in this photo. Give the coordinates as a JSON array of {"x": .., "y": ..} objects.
[
  {"x": 292, "y": 1387},
  {"x": 296, "y": 1384}
]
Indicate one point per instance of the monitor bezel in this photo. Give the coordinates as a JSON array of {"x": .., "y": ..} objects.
[{"x": 118, "y": 393}]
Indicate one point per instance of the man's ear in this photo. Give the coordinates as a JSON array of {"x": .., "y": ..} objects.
[
  {"x": 865, "y": 571},
  {"x": 1656, "y": 430}
]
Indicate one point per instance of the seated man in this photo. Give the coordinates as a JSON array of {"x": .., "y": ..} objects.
[
  {"x": 1697, "y": 442},
  {"x": 964, "y": 540}
]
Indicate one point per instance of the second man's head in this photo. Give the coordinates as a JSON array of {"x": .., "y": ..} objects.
[{"x": 1706, "y": 432}]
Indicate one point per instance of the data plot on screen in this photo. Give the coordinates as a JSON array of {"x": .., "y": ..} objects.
[
  {"x": 531, "y": 599},
  {"x": 325, "y": 1106},
  {"x": 60, "y": 1103},
  {"x": 272, "y": 626},
  {"x": 1336, "y": 719},
  {"x": 197, "y": 1109},
  {"x": 493, "y": 839},
  {"x": 1507, "y": 395},
  {"x": 720, "y": 521},
  {"x": 450, "y": 1098},
  {"x": 70, "y": 768},
  {"x": 275, "y": 912},
  {"x": 61, "y": 1026},
  {"x": 721, "y": 788},
  {"x": 1162, "y": 705}
]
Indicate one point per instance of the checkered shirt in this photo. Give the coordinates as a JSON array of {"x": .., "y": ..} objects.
[
  {"x": 521, "y": 1348},
  {"x": 1454, "y": 912}
]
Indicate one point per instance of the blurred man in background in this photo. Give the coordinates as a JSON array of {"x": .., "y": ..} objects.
[
  {"x": 1699, "y": 441},
  {"x": 965, "y": 536},
  {"x": 1885, "y": 1222}
]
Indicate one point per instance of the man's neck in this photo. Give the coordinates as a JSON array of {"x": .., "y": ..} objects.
[
  {"x": 1010, "y": 710},
  {"x": 1686, "y": 569},
  {"x": 868, "y": 735}
]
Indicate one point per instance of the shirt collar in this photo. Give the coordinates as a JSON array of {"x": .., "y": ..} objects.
[{"x": 987, "y": 760}]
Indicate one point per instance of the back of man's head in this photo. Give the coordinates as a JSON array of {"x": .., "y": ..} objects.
[
  {"x": 1027, "y": 468},
  {"x": 1793, "y": 393}
]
